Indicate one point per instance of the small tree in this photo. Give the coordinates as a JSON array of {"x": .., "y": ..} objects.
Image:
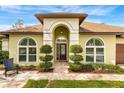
[
  {"x": 76, "y": 57},
  {"x": 18, "y": 24},
  {"x": 47, "y": 57}
]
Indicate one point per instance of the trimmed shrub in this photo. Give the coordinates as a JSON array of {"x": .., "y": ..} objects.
[
  {"x": 3, "y": 55},
  {"x": 45, "y": 65},
  {"x": 75, "y": 49},
  {"x": 96, "y": 68},
  {"x": 75, "y": 67},
  {"x": 76, "y": 58},
  {"x": 103, "y": 68},
  {"x": 46, "y": 58},
  {"x": 99, "y": 67},
  {"x": 46, "y": 49},
  {"x": 120, "y": 70},
  {"x": 87, "y": 67},
  {"x": 113, "y": 68}
]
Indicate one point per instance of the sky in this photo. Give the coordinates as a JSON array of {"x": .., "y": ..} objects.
[{"x": 108, "y": 14}]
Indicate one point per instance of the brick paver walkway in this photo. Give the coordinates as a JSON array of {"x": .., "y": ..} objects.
[{"x": 60, "y": 73}]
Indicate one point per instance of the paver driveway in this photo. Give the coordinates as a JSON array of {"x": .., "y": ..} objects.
[{"x": 60, "y": 73}]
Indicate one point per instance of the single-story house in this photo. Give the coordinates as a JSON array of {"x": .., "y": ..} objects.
[{"x": 101, "y": 43}]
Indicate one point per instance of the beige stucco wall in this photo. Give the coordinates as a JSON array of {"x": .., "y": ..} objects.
[
  {"x": 109, "y": 41},
  {"x": 51, "y": 23},
  {"x": 5, "y": 44},
  {"x": 13, "y": 46},
  {"x": 110, "y": 46},
  {"x": 120, "y": 40}
]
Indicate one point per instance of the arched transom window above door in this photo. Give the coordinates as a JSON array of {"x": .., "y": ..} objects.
[
  {"x": 27, "y": 50},
  {"x": 95, "y": 51},
  {"x": 61, "y": 39}
]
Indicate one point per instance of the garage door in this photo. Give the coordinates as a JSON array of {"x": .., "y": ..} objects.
[{"x": 119, "y": 53}]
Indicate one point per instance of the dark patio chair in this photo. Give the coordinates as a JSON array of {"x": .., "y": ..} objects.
[{"x": 10, "y": 66}]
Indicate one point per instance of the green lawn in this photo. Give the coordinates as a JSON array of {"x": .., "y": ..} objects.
[
  {"x": 74, "y": 84},
  {"x": 36, "y": 84}
]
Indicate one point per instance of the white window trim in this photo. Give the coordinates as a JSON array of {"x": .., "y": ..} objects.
[
  {"x": 94, "y": 47},
  {"x": 27, "y": 50}
]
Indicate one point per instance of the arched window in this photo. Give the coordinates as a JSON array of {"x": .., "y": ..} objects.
[
  {"x": 27, "y": 50},
  {"x": 61, "y": 39},
  {"x": 95, "y": 51}
]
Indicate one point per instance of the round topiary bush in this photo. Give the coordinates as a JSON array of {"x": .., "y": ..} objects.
[
  {"x": 76, "y": 49},
  {"x": 75, "y": 67},
  {"x": 76, "y": 58},
  {"x": 47, "y": 57},
  {"x": 47, "y": 49},
  {"x": 46, "y": 65}
]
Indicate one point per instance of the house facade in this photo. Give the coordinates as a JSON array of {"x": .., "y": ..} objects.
[{"x": 101, "y": 43}]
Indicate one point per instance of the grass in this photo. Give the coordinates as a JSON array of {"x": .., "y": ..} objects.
[
  {"x": 35, "y": 84},
  {"x": 74, "y": 84}
]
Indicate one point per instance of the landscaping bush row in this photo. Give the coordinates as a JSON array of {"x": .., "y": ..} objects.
[
  {"x": 3, "y": 55},
  {"x": 40, "y": 67},
  {"x": 95, "y": 68}
]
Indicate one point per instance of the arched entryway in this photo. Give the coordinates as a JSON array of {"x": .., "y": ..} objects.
[{"x": 61, "y": 44}]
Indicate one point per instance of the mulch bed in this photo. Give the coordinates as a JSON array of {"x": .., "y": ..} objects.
[
  {"x": 36, "y": 69},
  {"x": 84, "y": 71},
  {"x": 46, "y": 70}
]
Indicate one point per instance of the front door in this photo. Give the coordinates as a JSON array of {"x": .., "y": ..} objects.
[{"x": 61, "y": 52}]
